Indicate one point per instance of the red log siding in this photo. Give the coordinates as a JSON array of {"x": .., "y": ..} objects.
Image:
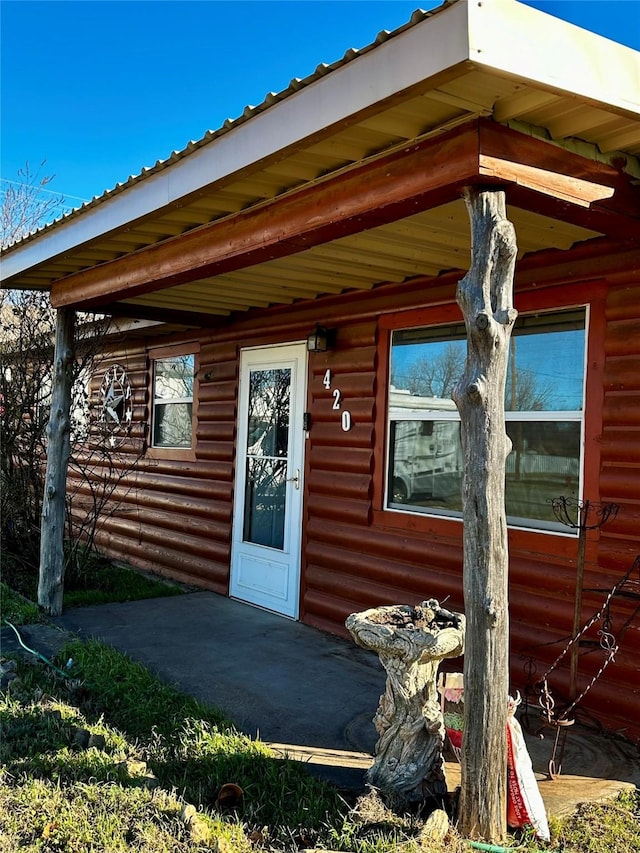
[
  {"x": 351, "y": 562},
  {"x": 619, "y": 543},
  {"x": 175, "y": 517},
  {"x": 169, "y": 516}
]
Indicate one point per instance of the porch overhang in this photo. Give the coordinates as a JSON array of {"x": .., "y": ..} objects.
[
  {"x": 423, "y": 177},
  {"x": 353, "y": 177}
]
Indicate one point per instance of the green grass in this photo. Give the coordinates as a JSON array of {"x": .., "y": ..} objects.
[
  {"x": 110, "y": 583},
  {"x": 154, "y": 749},
  {"x": 191, "y": 749},
  {"x": 598, "y": 827},
  {"x": 17, "y": 609},
  {"x": 131, "y": 698},
  {"x": 39, "y": 815},
  {"x": 98, "y": 581}
]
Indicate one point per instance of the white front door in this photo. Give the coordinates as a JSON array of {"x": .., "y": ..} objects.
[{"x": 267, "y": 524}]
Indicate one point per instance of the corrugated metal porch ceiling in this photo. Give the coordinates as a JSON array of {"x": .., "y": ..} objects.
[{"x": 424, "y": 244}]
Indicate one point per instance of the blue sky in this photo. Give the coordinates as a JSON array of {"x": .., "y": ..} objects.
[{"x": 101, "y": 89}]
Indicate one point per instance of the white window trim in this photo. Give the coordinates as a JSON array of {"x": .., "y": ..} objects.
[
  {"x": 577, "y": 415},
  {"x": 156, "y": 354}
]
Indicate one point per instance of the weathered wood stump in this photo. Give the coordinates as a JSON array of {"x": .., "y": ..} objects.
[{"x": 410, "y": 642}]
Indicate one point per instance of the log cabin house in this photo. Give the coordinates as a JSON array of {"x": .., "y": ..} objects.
[{"x": 284, "y": 293}]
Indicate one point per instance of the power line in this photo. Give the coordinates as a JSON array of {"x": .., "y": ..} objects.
[{"x": 42, "y": 189}]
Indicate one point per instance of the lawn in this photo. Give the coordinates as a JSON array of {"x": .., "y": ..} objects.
[
  {"x": 111, "y": 759},
  {"x": 92, "y": 580}
]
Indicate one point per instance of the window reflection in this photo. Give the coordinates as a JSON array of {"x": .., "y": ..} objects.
[
  {"x": 543, "y": 410},
  {"x": 172, "y": 425},
  {"x": 544, "y": 462},
  {"x": 426, "y": 463},
  {"x": 269, "y": 396},
  {"x": 545, "y": 371},
  {"x": 267, "y": 452},
  {"x": 173, "y": 380},
  {"x": 174, "y": 377},
  {"x": 264, "y": 505}
]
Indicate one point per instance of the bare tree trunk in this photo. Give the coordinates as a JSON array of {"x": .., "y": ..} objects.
[
  {"x": 51, "y": 581},
  {"x": 485, "y": 296}
]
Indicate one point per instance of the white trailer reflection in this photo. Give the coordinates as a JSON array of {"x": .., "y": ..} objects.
[{"x": 424, "y": 442}]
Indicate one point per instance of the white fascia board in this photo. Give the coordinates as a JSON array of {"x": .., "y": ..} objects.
[
  {"x": 434, "y": 45},
  {"x": 524, "y": 42}
]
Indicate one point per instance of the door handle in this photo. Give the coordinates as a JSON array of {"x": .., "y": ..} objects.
[{"x": 295, "y": 479}]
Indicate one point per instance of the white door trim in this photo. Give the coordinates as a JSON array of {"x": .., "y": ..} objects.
[{"x": 266, "y": 576}]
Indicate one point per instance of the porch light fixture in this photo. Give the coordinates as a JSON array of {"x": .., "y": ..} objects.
[{"x": 318, "y": 340}]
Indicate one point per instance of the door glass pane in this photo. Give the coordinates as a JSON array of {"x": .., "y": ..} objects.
[
  {"x": 269, "y": 394},
  {"x": 267, "y": 457},
  {"x": 264, "y": 502}
]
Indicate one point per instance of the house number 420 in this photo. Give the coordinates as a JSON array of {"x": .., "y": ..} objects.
[{"x": 345, "y": 417}]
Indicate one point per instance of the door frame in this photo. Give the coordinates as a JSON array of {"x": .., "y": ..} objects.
[{"x": 292, "y": 354}]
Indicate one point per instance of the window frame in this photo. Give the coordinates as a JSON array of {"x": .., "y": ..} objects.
[
  {"x": 555, "y": 299},
  {"x": 158, "y": 354}
]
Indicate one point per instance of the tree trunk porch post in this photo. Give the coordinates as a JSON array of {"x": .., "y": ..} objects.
[
  {"x": 485, "y": 296},
  {"x": 51, "y": 580}
]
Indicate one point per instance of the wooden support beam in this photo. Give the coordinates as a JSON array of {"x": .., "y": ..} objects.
[
  {"x": 563, "y": 187},
  {"x": 485, "y": 296},
  {"x": 421, "y": 176},
  {"x": 537, "y": 175},
  {"x": 552, "y": 181}
]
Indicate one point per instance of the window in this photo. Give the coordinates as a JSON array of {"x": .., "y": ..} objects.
[
  {"x": 544, "y": 405},
  {"x": 172, "y": 389}
]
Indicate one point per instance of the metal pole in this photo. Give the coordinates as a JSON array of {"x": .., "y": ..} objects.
[{"x": 577, "y": 611}]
